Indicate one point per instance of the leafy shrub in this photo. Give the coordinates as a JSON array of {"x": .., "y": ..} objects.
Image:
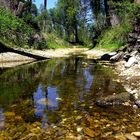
[
  {"x": 117, "y": 36},
  {"x": 54, "y": 42},
  {"x": 13, "y": 29}
]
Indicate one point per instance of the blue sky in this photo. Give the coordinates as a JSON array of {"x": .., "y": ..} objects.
[{"x": 50, "y": 3}]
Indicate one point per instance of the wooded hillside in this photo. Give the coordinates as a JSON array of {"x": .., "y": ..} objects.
[{"x": 102, "y": 23}]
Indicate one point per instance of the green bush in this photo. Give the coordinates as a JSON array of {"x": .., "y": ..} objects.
[
  {"x": 115, "y": 37},
  {"x": 54, "y": 42},
  {"x": 13, "y": 29}
]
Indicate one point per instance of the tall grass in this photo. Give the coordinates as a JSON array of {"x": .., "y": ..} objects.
[
  {"x": 54, "y": 42},
  {"x": 13, "y": 31},
  {"x": 117, "y": 36}
]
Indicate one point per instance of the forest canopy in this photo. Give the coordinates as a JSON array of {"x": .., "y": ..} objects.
[{"x": 90, "y": 23}]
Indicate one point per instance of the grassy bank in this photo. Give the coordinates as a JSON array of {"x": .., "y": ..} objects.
[
  {"x": 14, "y": 31},
  {"x": 55, "y": 42},
  {"x": 115, "y": 37}
]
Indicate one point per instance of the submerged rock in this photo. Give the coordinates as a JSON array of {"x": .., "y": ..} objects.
[
  {"x": 137, "y": 102},
  {"x": 89, "y": 132},
  {"x": 79, "y": 129},
  {"x": 130, "y": 137},
  {"x": 116, "y": 99},
  {"x": 137, "y": 134}
]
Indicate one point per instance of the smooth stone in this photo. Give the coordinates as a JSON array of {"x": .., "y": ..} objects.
[
  {"x": 120, "y": 137},
  {"x": 135, "y": 106},
  {"x": 115, "y": 99},
  {"x": 134, "y": 91},
  {"x": 42, "y": 101},
  {"x": 137, "y": 103},
  {"x": 79, "y": 129},
  {"x": 84, "y": 64},
  {"x": 126, "y": 104},
  {"x": 117, "y": 56},
  {"x": 136, "y": 96},
  {"x": 89, "y": 132},
  {"x": 112, "y": 53},
  {"x": 83, "y": 105},
  {"x": 131, "y": 61},
  {"x": 91, "y": 107},
  {"x": 130, "y": 137},
  {"x": 137, "y": 134},
  {"x": 59, "y": 99},
  {"x": 105, "y": 57},
  {"x": 78, "y": 117}
]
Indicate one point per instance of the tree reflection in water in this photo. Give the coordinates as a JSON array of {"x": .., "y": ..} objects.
[
  {"x": 44, "y": 101},
  {"x": 2, "y": 119},
  {"x": 89, "y": 79}
]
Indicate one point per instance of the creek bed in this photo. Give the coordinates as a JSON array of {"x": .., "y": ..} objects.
[{"x": 55, "y": 99}]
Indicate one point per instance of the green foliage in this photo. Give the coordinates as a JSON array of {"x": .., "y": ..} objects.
[
  {"x": 126, "y": 8},
  {"x": 67, "y": 19},
  {"x": 54, "y": 42},
  {"x": 13, "y": 30},
  {"x": 115, "y": 37}
]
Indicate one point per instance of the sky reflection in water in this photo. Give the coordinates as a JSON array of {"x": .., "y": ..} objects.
[
  {"x": 2, "y": 119},
  {"x": 56, "y": 86},
  {"x": 45, "y": 100}
]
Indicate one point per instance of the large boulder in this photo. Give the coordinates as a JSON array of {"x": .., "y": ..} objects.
[
  {"x": 107, "y": 56},
  {"x": 118, "y": 56},
  {"x": 131, "y": 61},
  {"x": 137, "y": 102}
]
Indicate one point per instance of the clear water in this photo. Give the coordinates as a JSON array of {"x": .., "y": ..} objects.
[{"x": 54, "y": 99}]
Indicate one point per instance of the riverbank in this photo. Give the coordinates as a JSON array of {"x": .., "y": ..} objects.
[
  {"x": 9, "y": 59},
  {"x": 127, "y": 70},
  {"x": 129, "y": 77},
  {"x": 104, "y": 119}
]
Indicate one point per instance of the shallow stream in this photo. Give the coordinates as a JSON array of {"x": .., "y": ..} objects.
[{"x": 55, "y": 99}]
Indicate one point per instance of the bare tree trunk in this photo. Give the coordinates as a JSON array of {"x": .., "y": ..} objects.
[
  {"x": 137, "y": 1},
  {"x": 45, "y": 16},
  {"x": 107, "y": 13},
  {"x": 18, "y": 12},
  {"x": 114, "y": 20},
  {"x": 76, "y": 34},
  {"x": 45, "y": 5},
  {"x": 30, "y": 6}
]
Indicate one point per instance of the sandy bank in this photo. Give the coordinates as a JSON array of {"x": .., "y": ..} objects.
[
  {"x": 10, "y": 59},
  {"x": 129, "y": 77}
]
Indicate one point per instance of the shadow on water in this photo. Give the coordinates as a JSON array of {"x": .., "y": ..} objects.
[{"x": 49, "y": 91}]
